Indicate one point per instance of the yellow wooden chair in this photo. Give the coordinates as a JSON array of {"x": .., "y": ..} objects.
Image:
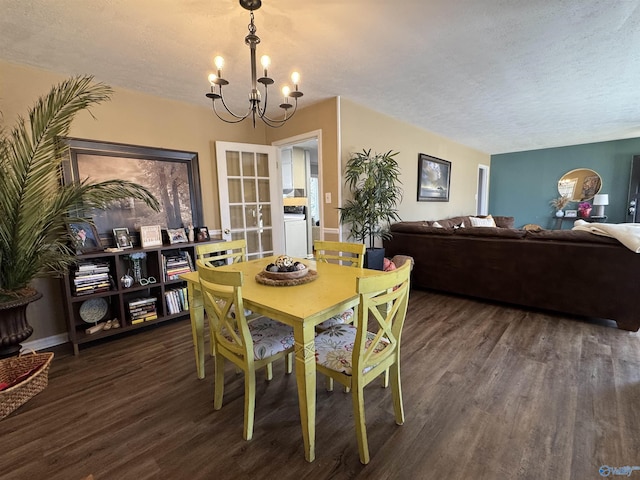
[
  {"x": 356, "y": 355},
  {"x": 343, "y": 253},
  {"x": 220, "y": 253},
  {"x": 248, "y": 345}
]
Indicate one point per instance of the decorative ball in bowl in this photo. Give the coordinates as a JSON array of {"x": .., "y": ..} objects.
[{"x": 285, "y": 268}]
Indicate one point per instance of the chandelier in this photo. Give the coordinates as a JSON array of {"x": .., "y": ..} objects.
[{"x": 257, "y": 102}]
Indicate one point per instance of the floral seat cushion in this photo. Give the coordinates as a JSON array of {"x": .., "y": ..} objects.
[
  {"x": 340, "y": 319},
  {"x": 334, "y": 347},
  {"x": 269, "y": 337}
]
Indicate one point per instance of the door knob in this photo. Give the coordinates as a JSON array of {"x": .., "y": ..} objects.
[{"x": 227, "y": 231}]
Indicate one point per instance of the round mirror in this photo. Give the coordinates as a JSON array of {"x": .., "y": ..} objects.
[{"x": 580, "y": 184}]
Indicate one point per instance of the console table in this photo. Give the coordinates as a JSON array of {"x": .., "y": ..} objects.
[{"x": 560, "y": 220}]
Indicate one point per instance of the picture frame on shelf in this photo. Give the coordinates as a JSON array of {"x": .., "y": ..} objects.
[
  {"x": 202, "y": 234},
  {"x": 177, "y": 235},
  {"x": 150, "y": 236},
  {"x": 570, "y": 213},
  {"x": 85, "y": 237},
  {"x": 122, "y": 238},
  {"x": 434, "y": 179}
]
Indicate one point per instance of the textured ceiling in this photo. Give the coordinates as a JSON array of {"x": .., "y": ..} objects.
[{"x": 498, "y": 76}]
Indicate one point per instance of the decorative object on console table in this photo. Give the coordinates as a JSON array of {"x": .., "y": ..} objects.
[
  {"x": 584, "y": 209},
  {"x": 599, "y": 202},
  {"x": 559, "y": 203},
  {"x": 571, "y": 213},
  {"x": 372, "y": 180}
]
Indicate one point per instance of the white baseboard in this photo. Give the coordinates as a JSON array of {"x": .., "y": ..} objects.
[{"x": 46, "y": 342}]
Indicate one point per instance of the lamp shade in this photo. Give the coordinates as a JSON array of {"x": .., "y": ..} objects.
[{"x": 601, "y": 199}]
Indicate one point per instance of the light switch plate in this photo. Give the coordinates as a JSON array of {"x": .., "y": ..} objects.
[{"x": 327, "y": 197}]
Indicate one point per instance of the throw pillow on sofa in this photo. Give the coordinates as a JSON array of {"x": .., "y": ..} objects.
[{"x": 482, "y": 221}]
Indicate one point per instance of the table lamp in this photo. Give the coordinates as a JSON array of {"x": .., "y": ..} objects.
[{"x": 599, "y": 201}]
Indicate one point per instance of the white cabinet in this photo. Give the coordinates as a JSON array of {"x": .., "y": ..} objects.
[{"x": 295, "y": 233}]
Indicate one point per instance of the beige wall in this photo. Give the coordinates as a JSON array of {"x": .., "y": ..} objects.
[
  {"x": 319, "y": 116},
  {"x": 363, "y": 128}
]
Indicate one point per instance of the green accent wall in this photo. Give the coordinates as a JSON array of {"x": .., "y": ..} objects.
[{"x": 523, "y": 183}]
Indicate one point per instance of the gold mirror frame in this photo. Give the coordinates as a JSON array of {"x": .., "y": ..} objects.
[{"x": 580, "y": 184}]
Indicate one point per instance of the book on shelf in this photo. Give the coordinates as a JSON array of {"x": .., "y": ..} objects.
[
  {"x": 175, "y": 263},
  {"x": 177, "y": 300},
  {"x": 142, "y": 301}
]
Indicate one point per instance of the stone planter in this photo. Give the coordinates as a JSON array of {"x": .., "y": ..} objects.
[{"x": 14, "y": 327}]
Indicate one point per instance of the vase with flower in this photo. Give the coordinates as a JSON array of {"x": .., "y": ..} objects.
[
  {"x": 584, "y": 209},
  {"x": 559, "y": 203},
  {"x": 136, "y": 260}
]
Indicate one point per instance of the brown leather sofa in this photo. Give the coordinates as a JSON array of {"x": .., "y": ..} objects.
[{"x": 567, "y": 271}]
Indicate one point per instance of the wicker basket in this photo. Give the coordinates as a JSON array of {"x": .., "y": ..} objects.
[{"x": 36, "y": 365}]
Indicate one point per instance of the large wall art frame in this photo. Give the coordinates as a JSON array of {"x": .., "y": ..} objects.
[
  {"x": 434, "y": 179},
  {"x": 171, "y": 175}
]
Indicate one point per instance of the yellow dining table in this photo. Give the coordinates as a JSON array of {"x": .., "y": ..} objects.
[{"x": 301, "y": 306}]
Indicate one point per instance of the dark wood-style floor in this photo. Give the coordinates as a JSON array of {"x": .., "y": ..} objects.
[{"x": 490, "y": 392}]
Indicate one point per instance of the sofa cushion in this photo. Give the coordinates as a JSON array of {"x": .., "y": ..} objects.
[
  {"x": 453, "y": 222},
  {"x": 504, "y": 222},
  {"x": 569, "y": 236},
  {"x": 482, "y": 221},
  {"x": 419, "y": 227},
  {"x": 495, "y": 232}
]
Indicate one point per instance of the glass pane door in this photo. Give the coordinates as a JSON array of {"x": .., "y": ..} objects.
[{"x": 250, "y": 197}]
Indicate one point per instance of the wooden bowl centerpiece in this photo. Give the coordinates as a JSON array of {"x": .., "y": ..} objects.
[{"x": 285, "y": 268}]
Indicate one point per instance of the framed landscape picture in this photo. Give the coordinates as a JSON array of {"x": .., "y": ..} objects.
[
  {"x": 434, "y": 179},
  {"x": 172, "y": 176}
]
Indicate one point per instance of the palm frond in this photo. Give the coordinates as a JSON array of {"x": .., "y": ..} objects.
[{"x": 34, "y": 206}]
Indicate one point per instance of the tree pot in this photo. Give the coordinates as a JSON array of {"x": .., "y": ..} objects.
[
  {"x": 14, "y": 327},
  {"x": 374, "y": 258}
]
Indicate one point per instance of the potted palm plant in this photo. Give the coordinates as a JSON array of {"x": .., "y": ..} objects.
[
  {"x": 35, "y": 208},
  {"x": 373, "y": 182}
]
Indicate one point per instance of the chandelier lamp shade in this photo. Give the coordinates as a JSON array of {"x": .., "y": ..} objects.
[{"x": 258, "y": 101}]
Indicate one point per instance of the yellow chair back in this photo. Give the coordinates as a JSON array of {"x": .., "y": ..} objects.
[
  {"x": 344, "y": 253},
  {"x": 222, "y": 253}
]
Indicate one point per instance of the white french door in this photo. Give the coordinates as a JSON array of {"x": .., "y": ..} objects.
[{"x": 249, "y": 184}]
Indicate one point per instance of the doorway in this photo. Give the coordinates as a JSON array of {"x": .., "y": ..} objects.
[
  {"x": 633, "y": 213},
  {"x": 301, "y": 164},
  {"x": 482, "y": 194}
]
